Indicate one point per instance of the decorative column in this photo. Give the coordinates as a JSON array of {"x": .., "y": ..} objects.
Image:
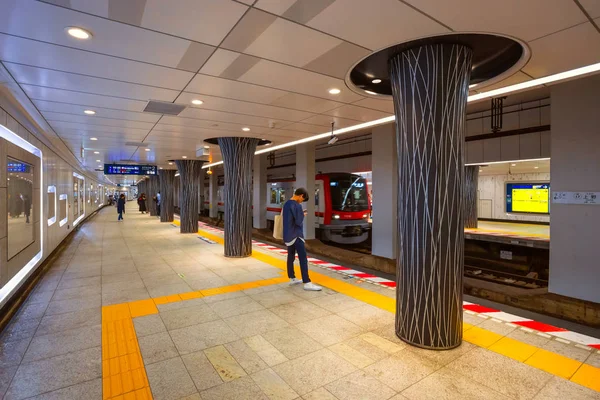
[
  {"x": 430, "y": 85},
  {"x": 213, "y": 197},
  {"x": 471, "y": 184},
  {"x": 259, "y": 203},
  {"x": 167, "y": 191},
  {"x": 237, "y": 162},
  {"x": 191, "y": 175},
  {"x": 153, "y": 188}
]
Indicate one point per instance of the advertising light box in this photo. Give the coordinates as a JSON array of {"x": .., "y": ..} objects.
[
  {"x": 127, "y": 169},
  {"x": 532, "y": 198}
]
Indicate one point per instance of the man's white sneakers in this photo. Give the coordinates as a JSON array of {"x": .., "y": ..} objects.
[
  {"x": 295, "y": 281},
  {"x": 312, "y": 286}
]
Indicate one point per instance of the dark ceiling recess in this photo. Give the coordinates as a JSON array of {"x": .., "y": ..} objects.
[
  {"x": 261, "y": 142},
  {"x": 492, "y": 55},
  {"x": 164, "y": 107}
]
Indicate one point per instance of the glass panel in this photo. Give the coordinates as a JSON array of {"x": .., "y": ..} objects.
[
  {"x": 62, "y": 209},
  {"x": 20, "y": 206},
  {"x": 274, "y": 196},
  {"x": 349, "y": 193},
  {"x": 81, "y": 196},
  {"x": 316, "y": 196},
  {"x": 76, "y": 205},
  {"x": 51, "y": 205}
]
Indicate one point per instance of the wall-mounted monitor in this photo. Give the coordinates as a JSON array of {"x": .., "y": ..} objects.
[
  {"x": 530, "y": 198},
  {"x": 126, "y": 169}
]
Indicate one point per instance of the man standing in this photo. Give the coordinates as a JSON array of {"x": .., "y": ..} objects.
[
  {"x": 293, "y": 236},
  {"x": 158, "y": 204}
]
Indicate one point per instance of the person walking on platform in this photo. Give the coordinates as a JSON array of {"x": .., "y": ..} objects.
[
  {"x": 142, "y": 203},
  {"x": 157, "y": 201},
  {"x": 293, "y": 236},
  {"x": 121, "y": 206}
]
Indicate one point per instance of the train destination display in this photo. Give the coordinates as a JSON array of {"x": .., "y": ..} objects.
[
  {"x": 530, "y": 198},
  {"x": 127, "y": 169}
]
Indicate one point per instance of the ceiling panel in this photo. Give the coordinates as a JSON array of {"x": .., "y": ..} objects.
[
  {"x": 379, "y": 24},
  {"x": 30, "y": 52},
  {"x": 291, "y": 43},
  {"x": 565, "y": 50},
  {"x": 526, "y": 20},
  {"x": 292, "y": 79},
  {"x": 242, "y": 107},
  {"x": 357, "y": 113},
  {"x": 86, "y": 99},
  {"x": 208, "y": 123},
  {"x": 63, "y": 80},
  {"x": 96, "y": 121},
  {"x": 95, "y": 130},
  {"x": 206, "y": 21},
  {"x": 210, "y": 85},
  {"x": 592, "y": 7},
  {"x": 109, "y": 37},
  {"x": 219, "y": 116},
  {"x": 308, "y": 128},
  {"x": 219, "y": 61},
  {"x": 306, "y": 103},
  {"x": 326, "y": 120},
  {"x": 102, "y": 112},
  {"x": 375, "y": 104},
  {"x": 275, "y": 6}
]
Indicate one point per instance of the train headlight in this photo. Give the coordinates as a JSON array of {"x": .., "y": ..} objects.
[
  {"x": 365, "y": 215},
  {"x": 336, "y": 216}
]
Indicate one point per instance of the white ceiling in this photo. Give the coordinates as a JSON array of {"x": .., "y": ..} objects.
[{"x": 266, "y": 64}]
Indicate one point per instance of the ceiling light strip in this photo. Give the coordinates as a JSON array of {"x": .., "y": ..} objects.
[
  {"x": 507, "y": 162},
  {"x": 562, "y": 76}
]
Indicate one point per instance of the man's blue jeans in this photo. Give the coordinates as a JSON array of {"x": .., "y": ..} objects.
[
  {"x": 120, "y": 215},
  {"x": 298, "y": 246}
]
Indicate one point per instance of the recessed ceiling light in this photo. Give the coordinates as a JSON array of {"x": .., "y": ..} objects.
[
  {"x": 535, "y": 167},
  {"x": 376, "y": 81},
  {"x": 245, "y": 129},
  {"x": 160, "y": 168},
  {"x": 183, "y": 156},
  {"x": 334, "y": 91},
  {"x": 96, "y": 152},
  {"x": 207, "y": 147},
  {"x": 370, "y": 92},
  {"x": 197, "y": 102},
  {"x": 147, "y": 149},
  {"x": 78, "y": 33},
  {"x": 93, "y": 138},
  {"x": 98, "y": 161},
  {"x": 90, "y": 112},
  {"x": 513, "y": 165},
  {"x": 170, "y": 163}
]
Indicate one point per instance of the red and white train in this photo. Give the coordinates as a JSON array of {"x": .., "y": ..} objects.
[{"x": 342, "y": 205}]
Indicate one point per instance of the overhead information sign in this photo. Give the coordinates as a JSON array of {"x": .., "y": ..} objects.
[
  {"x": 127, "y": 169},
  {"x": 528, "y": 198}
]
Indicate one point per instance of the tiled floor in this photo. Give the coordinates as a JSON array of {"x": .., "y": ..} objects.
[{"x": 254, "y": 339}]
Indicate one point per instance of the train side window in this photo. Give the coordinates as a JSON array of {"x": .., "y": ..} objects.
[
  {"x": 274, "y": 196},
  {"x": 316, "y": 196}
]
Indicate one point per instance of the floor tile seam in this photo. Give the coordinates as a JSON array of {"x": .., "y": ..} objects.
[{"x": 61, "y": 388}]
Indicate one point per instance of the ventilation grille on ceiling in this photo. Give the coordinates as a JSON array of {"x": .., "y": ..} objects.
[{"x": 162, "y": 107}]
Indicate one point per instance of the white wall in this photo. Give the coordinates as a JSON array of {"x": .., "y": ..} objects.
[
  {"x": 575, "y": 165},
  {"x": 493, "y": 187}
]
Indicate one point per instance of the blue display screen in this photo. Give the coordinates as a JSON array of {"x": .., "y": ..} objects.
[
  {"x": 16, "y": 167},
  {"x": 126, "y": 169}
]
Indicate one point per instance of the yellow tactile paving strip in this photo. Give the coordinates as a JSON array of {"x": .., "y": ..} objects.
[
  {"x": 124, "y": 376},
  {"x": 123, "y": 373}
]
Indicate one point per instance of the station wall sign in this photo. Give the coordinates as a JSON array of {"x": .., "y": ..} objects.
[{"x": 590, "y": 198}]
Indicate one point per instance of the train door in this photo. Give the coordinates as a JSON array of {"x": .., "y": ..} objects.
[{"x": 319, "y": 203}]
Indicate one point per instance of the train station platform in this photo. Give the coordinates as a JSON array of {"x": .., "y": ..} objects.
[{"x": 135, "y": 310}]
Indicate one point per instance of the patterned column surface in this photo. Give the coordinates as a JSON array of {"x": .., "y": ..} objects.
[
  {"x": 191, "y": 175},
  {"x": 237, "y": 154},
  {"x": 167, "y": 190},
  {"x": 471, "y": 184},
  {"x": 153, "y": 188},
  {"x": 430, "y": 87}
]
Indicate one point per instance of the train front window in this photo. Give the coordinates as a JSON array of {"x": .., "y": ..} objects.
[{"x": 349, "y": 194}]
